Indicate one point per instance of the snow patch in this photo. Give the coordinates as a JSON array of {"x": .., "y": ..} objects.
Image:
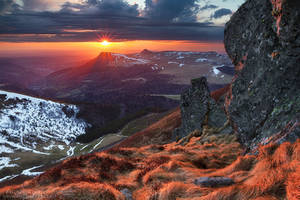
[
  {"x": 84, "y": 147},
  {"x": 5, "y": 163},
  {"x": 28, "y": 172},
  {"x": 70, "y": 152},
  {"x": 216, "y": 71},
  {"x": 50, "y": 147},
  {"x": 5, "y": 149},
  {"x": 7, "y": 178},
  {"x": 18, "y": 146},
  {"x": 97, "y": 144},
  {"x": 201, "y": 60},
  {"x": 123, "y": 59},
  {"x": 61, "y": 147}
]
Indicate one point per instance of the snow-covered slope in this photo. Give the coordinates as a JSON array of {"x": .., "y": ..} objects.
[
  {"x": 123, "y": 60},
  {"x": 118, "y": 60},
  {"x": 33, "y": 126},
  {"x": 29, "y": 119}
]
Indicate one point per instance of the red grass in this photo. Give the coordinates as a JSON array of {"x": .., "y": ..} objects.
[
  {"x": 168, "y": 172},
  {"x": 293, "y": 185},
  {"x": 152, "y": 164}
]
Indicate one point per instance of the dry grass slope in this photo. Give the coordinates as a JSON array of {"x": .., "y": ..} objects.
[{"x": 167, "y": 172}]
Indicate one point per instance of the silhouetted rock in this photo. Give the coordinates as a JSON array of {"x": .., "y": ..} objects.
[
  {"x": 146, "y": 52},
  {"x": 198, "y": 109},
  {"x": 213, "y": 181},
  {"x": 263, "y": 40}
]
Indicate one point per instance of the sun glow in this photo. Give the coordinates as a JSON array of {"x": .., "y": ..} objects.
[
  {"x": 105, "y": 43},
  {"x": 92, "y": 49}
]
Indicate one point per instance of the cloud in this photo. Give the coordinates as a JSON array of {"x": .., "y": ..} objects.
[
  {"x": 36, "y": 4},
  {"x": 103, "y": 7},
  {"x": 6, "y": 6},
  {"x": 171, "y": 10},
  {"x": 84, "y": 21},
  {"x": 221, "y": 12},
  {"x": 92, "y": 2},
  {"x": 117, "y": 7},
  {"x": 208, "y": 7}
]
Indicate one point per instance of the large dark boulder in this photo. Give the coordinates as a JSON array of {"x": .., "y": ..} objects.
[{"x": 263, "y": 40}]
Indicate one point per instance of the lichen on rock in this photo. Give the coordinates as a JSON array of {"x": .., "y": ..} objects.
[{"x": 265, "y": 93}]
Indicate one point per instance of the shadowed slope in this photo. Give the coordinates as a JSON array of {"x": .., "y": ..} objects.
[{"x": 161, "y": 131}]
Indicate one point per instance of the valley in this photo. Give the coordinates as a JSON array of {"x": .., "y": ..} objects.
[
  {"x": 36, "y": 134},
  {"x": 106, "y": 98},
  {"x": 181, "y": 122}
]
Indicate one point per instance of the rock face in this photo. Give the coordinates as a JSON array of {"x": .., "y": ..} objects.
[
  {"x": 198, "y": 109},
  {"x": 263, "y": 102},
  {"x": 263, "y": 40}
]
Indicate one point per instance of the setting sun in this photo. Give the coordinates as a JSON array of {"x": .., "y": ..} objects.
[{"x": 105, "y": 43}]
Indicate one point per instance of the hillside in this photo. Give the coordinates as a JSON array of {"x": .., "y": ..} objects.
[
  {"x": 114, "y": 89},
  {"x": 34, "y": 133},
  {"x": 172, "y": 171},
  {"x": 238, "y": 143}
]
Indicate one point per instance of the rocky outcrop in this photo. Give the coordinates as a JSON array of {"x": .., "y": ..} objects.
[
  {"x": 199, "y": 109},
  {"x": 263, "y": 40},
  {"x": 263, "y": 101}
]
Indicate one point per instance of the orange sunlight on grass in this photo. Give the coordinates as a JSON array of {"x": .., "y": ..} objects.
[{"x": 168, "y": 172}]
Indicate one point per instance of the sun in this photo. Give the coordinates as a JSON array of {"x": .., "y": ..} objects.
[{"x": 105, "y": 43}]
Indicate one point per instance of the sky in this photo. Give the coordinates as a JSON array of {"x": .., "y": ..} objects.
[{"x": 184, "y": 22}]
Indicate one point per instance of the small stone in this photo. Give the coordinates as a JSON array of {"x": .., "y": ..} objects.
[
  {"x": 213, "y": 181},
  {"x": 126, "y": 192}
]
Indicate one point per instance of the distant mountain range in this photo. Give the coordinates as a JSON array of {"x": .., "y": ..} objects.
[
  {"x": 115, "y": 88},
  {"x": 103, "y": 95},
  {"x": 131, "y": 84}
]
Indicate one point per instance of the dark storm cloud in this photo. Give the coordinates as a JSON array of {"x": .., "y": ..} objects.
[
  {"x": 85, "y": 21},
  {"x": 208, "y": 7},
  {"x": 6, "y": 6},
  {"x": 92, "y": 2},
  {"x": 117, "y": 7},
  {"x": 171, "y": 10},
  {"x": 103, "y": 7},
  {"x": 221, "y": 12}
]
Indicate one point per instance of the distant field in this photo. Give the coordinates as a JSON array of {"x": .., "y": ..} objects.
[
  {"x": 142, "y": 123},
  {"x": 169, "y": 96}
]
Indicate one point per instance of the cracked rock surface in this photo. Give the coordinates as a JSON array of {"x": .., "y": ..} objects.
[{"x": 263, "y": 40}]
